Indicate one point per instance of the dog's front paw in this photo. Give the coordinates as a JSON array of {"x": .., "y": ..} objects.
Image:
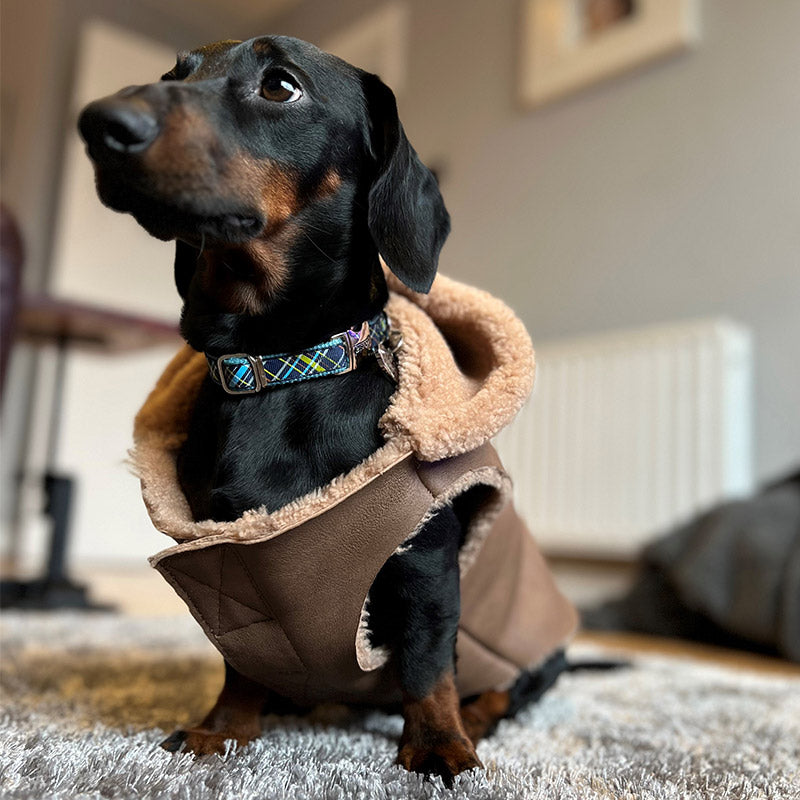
[
  {"x": 202, "y": 742},
  {"x": 446, "y": 757}
]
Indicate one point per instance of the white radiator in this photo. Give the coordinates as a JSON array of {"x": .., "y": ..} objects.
[{"x": 628, "y": 433}]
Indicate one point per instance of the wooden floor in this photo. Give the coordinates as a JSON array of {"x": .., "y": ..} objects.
[
  {"x": 138, "y": 591},
  {"x": 640, "y": 644}
]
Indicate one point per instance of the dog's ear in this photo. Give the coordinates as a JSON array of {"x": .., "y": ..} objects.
[
  {"x": 185, "y": 265},
  {"x": 406, "y": 214}
]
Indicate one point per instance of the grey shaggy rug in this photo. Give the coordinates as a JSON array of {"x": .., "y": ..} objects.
[{"x": 86, "y": 699}]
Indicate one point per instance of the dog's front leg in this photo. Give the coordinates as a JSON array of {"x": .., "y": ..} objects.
[
  {"x": 415, "y": 605},
  {"x": 235, "y": 716},
  {"x": 434, "y": 740}
]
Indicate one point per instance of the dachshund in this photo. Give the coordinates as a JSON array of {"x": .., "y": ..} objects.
[{"x": 282, "y": 172}]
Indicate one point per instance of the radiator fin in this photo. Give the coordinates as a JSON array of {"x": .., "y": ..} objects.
[{"x": 627, "y": 434}]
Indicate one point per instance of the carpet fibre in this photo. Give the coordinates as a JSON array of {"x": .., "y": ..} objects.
[{"x": 86, "y": 699}]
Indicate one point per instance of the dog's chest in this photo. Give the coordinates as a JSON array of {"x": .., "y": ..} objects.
[{"x": 266, "y": 450}]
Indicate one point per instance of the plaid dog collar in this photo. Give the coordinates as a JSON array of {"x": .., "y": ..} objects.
[{"x": 239, "y": 373}]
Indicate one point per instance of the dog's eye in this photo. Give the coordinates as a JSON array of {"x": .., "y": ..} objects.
[{"x": 280, "y": 87}]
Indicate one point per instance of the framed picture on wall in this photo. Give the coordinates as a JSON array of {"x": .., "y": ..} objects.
[{"x": 570, "y": 44}]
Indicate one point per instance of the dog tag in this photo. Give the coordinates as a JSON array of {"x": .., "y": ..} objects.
[{"x": 386, "y": 360}]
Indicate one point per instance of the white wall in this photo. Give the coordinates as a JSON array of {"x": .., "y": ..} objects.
[{"x": 668, "y": 193}]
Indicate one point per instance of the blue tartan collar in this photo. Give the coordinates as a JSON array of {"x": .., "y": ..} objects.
[{"x": 240, "y": 373}]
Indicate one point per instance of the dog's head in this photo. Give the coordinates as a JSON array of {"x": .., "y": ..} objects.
[{"x": 261, "y": 149}]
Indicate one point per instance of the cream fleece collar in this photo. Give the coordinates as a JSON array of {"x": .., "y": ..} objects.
[{"x": 465, "y": 369}]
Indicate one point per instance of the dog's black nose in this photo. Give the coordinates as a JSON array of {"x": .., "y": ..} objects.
[{"x": 118, "y": 125}]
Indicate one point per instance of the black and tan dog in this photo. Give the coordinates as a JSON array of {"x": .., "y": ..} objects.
[{"x": 282, "y": 172}]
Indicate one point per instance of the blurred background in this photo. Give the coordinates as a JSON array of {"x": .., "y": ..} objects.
[{"x": 624, "y": 173}]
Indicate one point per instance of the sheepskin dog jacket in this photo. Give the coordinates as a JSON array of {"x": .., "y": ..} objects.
[{"x": 283, "y": 593}]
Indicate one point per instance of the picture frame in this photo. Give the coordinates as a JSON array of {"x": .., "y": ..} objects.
[{"x": 570, "y": 44}]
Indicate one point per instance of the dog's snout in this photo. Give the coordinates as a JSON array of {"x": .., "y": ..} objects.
[{"x": 119, "y": 126}]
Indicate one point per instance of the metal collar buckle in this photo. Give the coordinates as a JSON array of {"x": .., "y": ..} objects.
[
  {"x": 355, "y": 343},
  {"x": 255, "y": 370}
]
